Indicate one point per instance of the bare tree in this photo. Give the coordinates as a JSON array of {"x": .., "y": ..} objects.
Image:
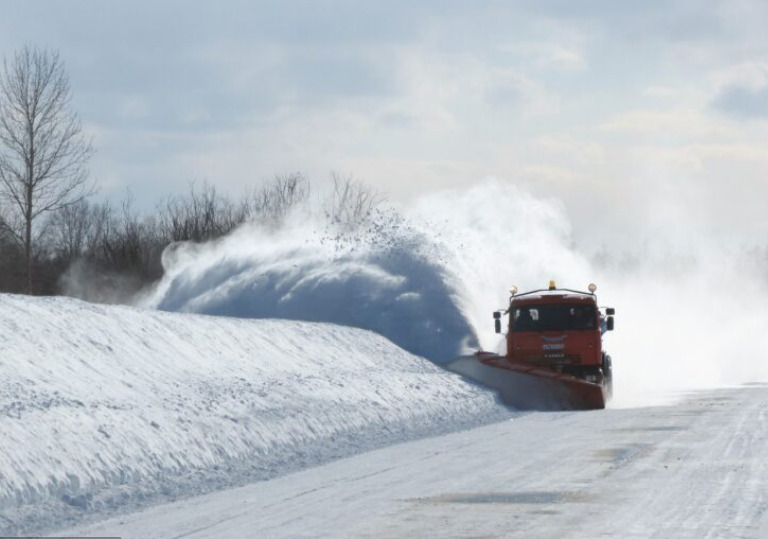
[
  {"x": 43, "y": 153},
  {"x": 201, "y": 215},
  {"x": 75, "y": 230},
  {"x": 275, "y": 200},
  {"x": 352, "y": 201}
]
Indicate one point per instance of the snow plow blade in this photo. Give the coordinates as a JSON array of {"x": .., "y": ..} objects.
[{"x": 528, "y": 387}]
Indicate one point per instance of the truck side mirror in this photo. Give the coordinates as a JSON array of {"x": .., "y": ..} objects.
[
  {"x": 497, "y": 321},
  {"x": 610, "y": 311},
  {"x": 609, "y": 323}
]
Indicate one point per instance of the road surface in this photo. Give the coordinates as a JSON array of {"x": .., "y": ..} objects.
[{"x": 696, "y": 469}]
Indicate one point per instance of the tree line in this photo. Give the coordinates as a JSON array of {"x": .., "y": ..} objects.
[
  {"x": 54, "y": 239},
  {"x": 102, "y": 251}
]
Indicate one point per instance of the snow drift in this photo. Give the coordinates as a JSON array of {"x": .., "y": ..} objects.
[{"x": 104, "y": 408}]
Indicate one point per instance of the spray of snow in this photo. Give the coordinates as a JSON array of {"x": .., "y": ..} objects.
[
  {"x": 684, "y": 321},
  {"x": 428, "y": 276},
  {"x": 690, "y": 317},
  {"x": 385, "y": 276}
]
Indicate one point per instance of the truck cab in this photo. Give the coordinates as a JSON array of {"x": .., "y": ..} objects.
[{"x": 560, "y": 330}]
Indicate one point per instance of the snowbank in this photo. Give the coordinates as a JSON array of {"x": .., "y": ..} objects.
[{"x": 105, "y": 408}]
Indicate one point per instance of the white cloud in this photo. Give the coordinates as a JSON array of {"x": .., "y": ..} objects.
[
  {"x": 664, "y": 92},
  {"x": 751, "y": 75},
  {"x": 667, "y": 123},
  {"x": 742, "y": 90},
  {"x": 550, "y": 173},
  {"x": 704, "y": 158},
  {"x": 548, "y": 55},
  {"x": 133, "y": 108},
  {"x": 507, "y": 88},
  {"x": 582, "y": 152}
]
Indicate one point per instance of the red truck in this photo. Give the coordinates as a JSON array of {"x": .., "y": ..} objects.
[{"x": 555, "y": 357}]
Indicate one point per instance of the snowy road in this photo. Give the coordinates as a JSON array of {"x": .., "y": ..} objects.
[{"x": 695, "y": 469}]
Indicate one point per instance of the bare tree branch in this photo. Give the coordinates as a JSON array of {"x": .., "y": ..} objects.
[
  {"x": 274, "y": 201},
  {"x": 352, "y": 201}
]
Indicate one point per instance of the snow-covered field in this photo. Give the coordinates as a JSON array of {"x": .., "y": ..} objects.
[{"x": 105, "y": 409}]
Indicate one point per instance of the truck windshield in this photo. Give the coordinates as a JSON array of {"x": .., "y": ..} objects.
[{"x": 556, "y": 317}]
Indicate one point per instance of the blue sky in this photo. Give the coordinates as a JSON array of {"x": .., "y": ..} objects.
[{"x": 613, "y": 108}]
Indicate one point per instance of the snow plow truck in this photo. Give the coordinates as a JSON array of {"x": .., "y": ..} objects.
[{"x": 554, "y": 358}]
